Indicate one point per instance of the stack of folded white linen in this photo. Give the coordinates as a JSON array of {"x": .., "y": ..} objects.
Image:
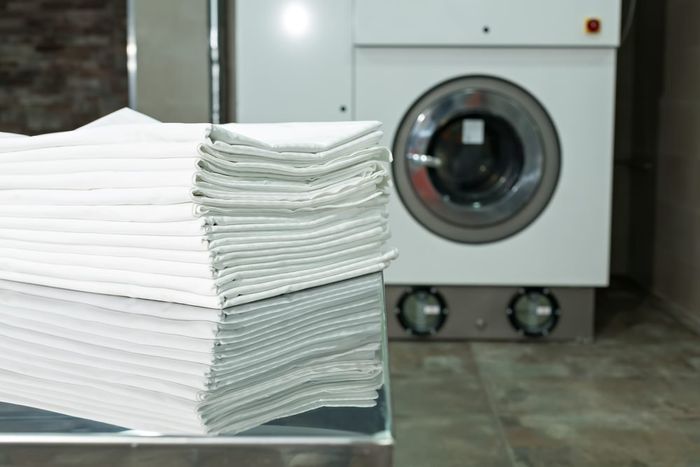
[
  {"x": 179, "y": 369},
  {"x": 210, "y": 216}
]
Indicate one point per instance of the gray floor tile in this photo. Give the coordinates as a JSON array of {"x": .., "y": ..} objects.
[
  {"x": 429, "y": 379},
  {"x": 658, "y": 398},
  {"x": 438, "y": 396},
  {"x": 625, "y": 317},
  {"x": 631, "y": 398},
  {"x": 600, "y": 440},
  {"x": 669, "y": 357},
  {"x": 427, "y": 360},
  {"x": 457, "y": 440}
]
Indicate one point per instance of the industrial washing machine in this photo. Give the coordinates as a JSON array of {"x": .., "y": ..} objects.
[{"x": 500, "y": 115}]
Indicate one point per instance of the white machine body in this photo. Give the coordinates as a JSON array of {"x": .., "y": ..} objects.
[{"x": 314, "y": 60}]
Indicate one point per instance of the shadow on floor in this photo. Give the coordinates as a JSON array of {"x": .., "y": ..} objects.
[{"x": 631, "y": 398}]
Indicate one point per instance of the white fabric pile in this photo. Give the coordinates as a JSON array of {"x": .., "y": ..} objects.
[
  {"x": 178, "y": 369},
  {"x": 189, "y": 213}
]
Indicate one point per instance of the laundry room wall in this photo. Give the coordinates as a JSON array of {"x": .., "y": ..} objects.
[
  {"x": 172, "y": 72},
  {"x": 676, "y": 277},
  {"x": 639, "y": 84}
]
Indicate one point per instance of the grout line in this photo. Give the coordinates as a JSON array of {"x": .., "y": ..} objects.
[{"x": 492, "y": 407}]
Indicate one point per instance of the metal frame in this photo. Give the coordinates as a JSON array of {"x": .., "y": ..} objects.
[
  {"x": 131, "y": 52},
  {"x": 381, "y": 439},
  {"x": 113, "y": 451},
  {"x": 217, "y": 61},
  {"x": 481, "y": 313}
]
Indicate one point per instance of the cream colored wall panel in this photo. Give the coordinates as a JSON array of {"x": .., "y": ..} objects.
[{"x": 172, "y": 76}]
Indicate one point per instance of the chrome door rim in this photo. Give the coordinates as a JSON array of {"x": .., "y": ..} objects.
[{"x": 524, "y": 201}]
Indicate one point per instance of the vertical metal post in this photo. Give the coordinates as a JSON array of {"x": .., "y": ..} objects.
[
  {"x": 217, "y": 60},
  {"x": 131, "y": 51}
]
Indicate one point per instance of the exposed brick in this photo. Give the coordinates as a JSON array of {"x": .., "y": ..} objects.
[{"x": 62, "y": 63}]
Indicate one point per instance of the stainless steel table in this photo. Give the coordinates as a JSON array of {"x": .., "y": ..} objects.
[{"x": 324, "y": 437}]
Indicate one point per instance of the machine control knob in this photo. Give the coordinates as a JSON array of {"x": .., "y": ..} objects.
[
  {"x": 421, "y": 311},
  {"x": 534, "y": 312}
]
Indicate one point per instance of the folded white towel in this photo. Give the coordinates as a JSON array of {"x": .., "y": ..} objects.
[
  {"x": 120, "y": 213},
  {"x": 76, "y": 166},
  {"x": 310, "y": 138},
  {"x": 72, "y": 150},
  {"x": 135, "y": 307},
  {"x": 122, "y": 116},
  {"x": 101, "y": 197},
  {"x": 11, "y": 135},
  {"x": 133, "y": 207},
  {"x": 98, "y": 179},
  {"x": 58, "y": 143},
  {"x": 193, "y": 227},
  {"x": 279, "y": 137},
  {"x": 179, "y": 369}
]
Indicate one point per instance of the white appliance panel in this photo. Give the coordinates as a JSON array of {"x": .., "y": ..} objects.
[
  {"x": 568, "y": 244},
  {"x": 293, "y": 60},
  {"x": 508, "y": 22}
]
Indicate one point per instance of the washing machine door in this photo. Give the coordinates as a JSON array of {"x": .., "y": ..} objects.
[{"x": 476, "y": 159}]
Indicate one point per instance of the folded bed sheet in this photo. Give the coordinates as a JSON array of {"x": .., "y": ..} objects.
[
  {"x": 204, "y": 215},
  {"x": 179, "y": 369}
]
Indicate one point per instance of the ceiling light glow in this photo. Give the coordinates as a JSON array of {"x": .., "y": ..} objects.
[{"x": 296, "y": 19}]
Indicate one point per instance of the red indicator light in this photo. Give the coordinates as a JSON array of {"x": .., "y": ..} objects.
[{"x": 592, "y": 25}]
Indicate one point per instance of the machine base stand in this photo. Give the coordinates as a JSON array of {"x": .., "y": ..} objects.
[{"x": 490, "y": 313}]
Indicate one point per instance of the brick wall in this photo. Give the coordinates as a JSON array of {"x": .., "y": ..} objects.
[{"x": 62, "y": 63}]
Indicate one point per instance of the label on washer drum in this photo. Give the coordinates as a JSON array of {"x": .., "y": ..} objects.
[
  {"x": 472, "y": 131},
  {"x": 431, "y": 310},
  {"x": 543, "y": 310}
]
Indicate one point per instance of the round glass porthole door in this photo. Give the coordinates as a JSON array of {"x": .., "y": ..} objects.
[{"x": 476, "y": 159}]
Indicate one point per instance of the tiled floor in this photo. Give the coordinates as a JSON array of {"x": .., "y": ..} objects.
[{"x": 632, "y": 398}]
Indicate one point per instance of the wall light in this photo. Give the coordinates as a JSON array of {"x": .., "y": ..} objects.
[{"x": 296, "y": 19}]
